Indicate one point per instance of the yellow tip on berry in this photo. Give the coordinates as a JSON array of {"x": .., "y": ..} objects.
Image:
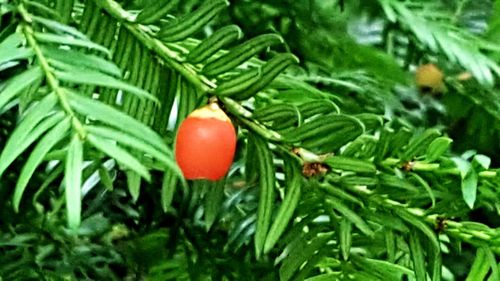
[{"x": 210, "y": 111}]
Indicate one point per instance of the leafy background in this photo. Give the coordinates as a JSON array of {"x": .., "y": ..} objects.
[{"x": 346, "y": 168}]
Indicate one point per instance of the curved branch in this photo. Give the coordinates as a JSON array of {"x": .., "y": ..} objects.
[
  {"x": 142, "y": 34},
  {"x": 49, "y": 75}
]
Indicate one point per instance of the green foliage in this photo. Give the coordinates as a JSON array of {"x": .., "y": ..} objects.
[{"x": 344, "y": 169}]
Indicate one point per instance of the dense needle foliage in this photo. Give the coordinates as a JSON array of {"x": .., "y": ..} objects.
[{"x": 368, "y": 140}]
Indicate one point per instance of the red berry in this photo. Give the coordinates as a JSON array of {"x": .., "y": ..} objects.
[{"x": 205, "y": 144}]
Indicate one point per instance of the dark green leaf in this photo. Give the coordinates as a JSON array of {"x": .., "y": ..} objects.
[
  {"x": 351, "y": 216},
  {"x": 266, "y": 194},
  {"x": 111, "y": 116},
  {"x": 135, "y": 143},
  {"x": 89, "y": 77},
  {"x": 469, "y": 188},
  {"x": 437, "y": 148},
  {"x": 417, "y": 255},
  {"x": 480, "y": 267},
  {"x": 58, "y": 27},
  {"x": 382, "y": 269},
  {"x": 482, "y": 160},
  {"x": 168, "y": 189},
  {"x": 123, "y": 157},
  {"x": 73, "y": 182},
  {"x": 70, "y": 41},
  {"x": 18, "y": 83},
  {"x": 7, "y": 55},
  {"x": 11, "y": 42},
  {"x": 76, "y": 58},
  {"x": 286, "y": 208},
  {"x": 134, "y": 184},
  {"x": 36, "y": 157},
  {"x": 29, "y": 129},
  {"x": 345, "y": 237},
  {"x": 302, "y": 252},
  {"x": 214, "y": 198}
]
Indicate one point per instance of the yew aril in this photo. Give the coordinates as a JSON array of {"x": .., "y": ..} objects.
[
  {"x": 205, "y": 144},
  {"x": 429, "y": 78}
]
